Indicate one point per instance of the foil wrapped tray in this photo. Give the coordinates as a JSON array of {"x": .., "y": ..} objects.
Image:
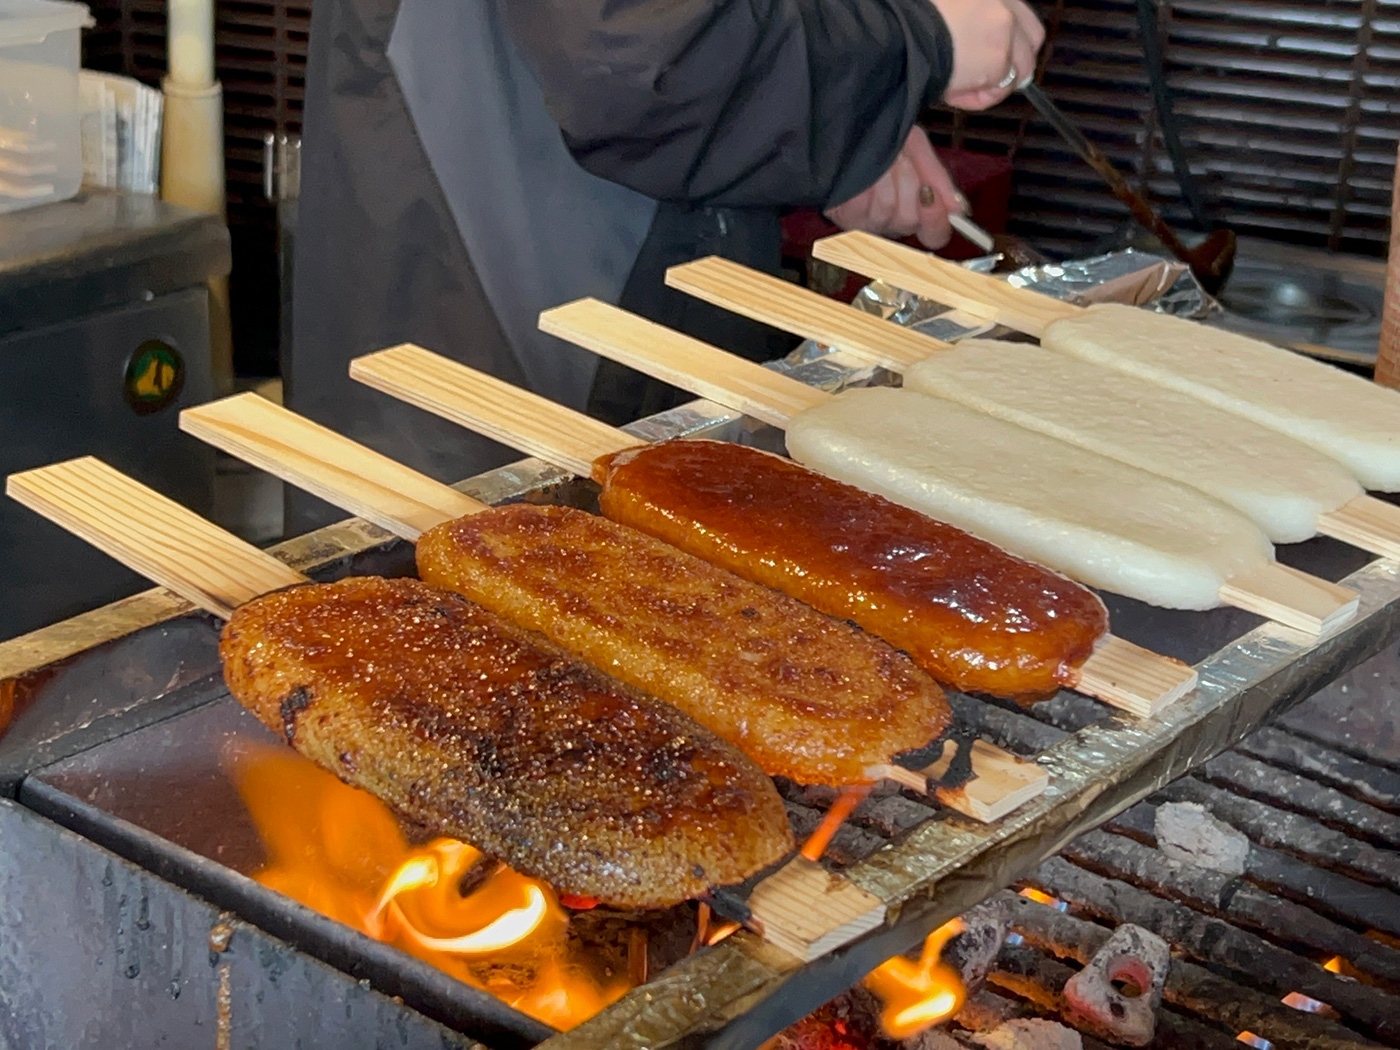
[{"x": 121, "y": 665}]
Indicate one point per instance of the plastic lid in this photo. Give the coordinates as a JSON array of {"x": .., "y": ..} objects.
[{"x": 31, "y": 21}]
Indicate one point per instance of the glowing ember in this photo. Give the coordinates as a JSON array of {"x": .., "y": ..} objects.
[
  {"x": 1306, "y": 1003},
  {"x": 919, "y": 993},
  {"x": 340, "y": 851},
  {"x": 1335, "y": 964},
  {"x": 1044, "y": 898},
  {"x": 1258, "y": 1042}
]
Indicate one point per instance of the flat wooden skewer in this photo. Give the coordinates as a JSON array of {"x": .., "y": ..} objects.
[
  {"x": 801, "y": 907},
  {"x": 1365, "y": 522},
  {"x": 1119, "y": 673},
  {"x": 407, "y": 503},
  {"x": 1275, "y": 591},
  {"x": 151, "y": 534}
]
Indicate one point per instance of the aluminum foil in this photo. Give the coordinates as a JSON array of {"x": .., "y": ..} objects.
[{"x": 1128, "y": 276}]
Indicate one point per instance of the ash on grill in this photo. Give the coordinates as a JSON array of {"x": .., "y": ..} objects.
[{"x": 1147, "y": 932}]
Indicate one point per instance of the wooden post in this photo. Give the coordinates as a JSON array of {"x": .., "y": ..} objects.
[{"x": 1388, "y": 352}]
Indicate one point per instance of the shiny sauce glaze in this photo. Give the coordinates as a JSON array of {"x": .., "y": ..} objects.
[
  {"x": 474, "y": 728},
  {"x": 975, "y": 617}
]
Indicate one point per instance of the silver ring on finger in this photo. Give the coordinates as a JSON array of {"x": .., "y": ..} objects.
[{"x": 1010, "y": 78}]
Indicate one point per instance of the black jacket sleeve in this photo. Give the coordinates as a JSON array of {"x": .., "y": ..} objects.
[{"x": 766, "y": 103}]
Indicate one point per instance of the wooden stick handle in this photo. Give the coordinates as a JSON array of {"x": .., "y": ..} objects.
[
  {"x": 1365, "y": 522},
  {"x": 1292, "y": 598},
  {"x": 944, "y": 282},
  {"x": 330, "y": 466},
  {"x": 1000, "y": 781},
  {"x": 1133, "y": 679},
  {"x": 151, "y": 534},
  {"x": 784, "y": 305},
  {"x": 682, "y": 361},
  {"x": 505, "y": 413}
]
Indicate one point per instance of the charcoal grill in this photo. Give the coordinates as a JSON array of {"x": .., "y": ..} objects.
[{"x": 97, "y": 698}]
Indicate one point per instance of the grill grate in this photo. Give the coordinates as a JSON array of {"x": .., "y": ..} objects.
[
  {"x": 1302, "y": 950},
  {"x": 1288, "y": 115}
]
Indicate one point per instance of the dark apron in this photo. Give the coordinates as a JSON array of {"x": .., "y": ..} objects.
[{"x": 440, "y": 206}]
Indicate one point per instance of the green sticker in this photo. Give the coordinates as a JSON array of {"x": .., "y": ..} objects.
[{"x": 154, "y": 376}]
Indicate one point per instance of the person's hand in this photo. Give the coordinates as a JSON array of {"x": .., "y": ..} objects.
[
  {"x": 913, "y": 197},
  {"x": 995, "y": 43}
]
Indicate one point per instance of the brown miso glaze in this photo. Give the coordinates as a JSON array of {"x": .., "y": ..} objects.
[
  {"x": 805, "y": 696},
  {"x": 480, "y": 730},
  {"x": 976, "y": 618}
]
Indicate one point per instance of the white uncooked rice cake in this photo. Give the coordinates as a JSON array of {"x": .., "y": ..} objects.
[
  {"x": 1279, "y": 483},
  {"x": 1095, "y": 519},
  {"x": 1339, "y": 414}
]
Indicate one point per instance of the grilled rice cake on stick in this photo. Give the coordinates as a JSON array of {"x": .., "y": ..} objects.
[
  {"x": 977, "y": 618},
  {"x": 477, "y": 729},
  {"x": 464, "y": 723},
  {"x": 807, "y": 697},
  {"x": 1283, "y": 485}
]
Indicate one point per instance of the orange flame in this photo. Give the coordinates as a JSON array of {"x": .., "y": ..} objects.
[
  {"x": 919, "y": 994},
  {"x": 340, "y": 851},
  {"x": 851, "y": 796}
]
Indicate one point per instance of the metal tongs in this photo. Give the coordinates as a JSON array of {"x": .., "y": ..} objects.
[{"x": 1211, "y": 260}]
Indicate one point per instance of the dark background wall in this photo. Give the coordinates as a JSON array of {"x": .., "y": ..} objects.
[{"x": 1289, "y": 109}]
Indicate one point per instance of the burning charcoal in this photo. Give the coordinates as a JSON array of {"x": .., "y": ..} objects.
[
  {"x": 851, "y": 1021},
  {"x": 973, "y": 951},
  {"x": 1186, "y": 832},
  {"x": 986, "y": 1009},
  {"x": 850, "y": 844},
  {"x": 932, "y": 1039},
  {"x": 802, "y": 820},
  {"x": 1095, "y": 1003},
  {"x": 893, "y": 815},
  {"x": 1030, "y": 1033}
]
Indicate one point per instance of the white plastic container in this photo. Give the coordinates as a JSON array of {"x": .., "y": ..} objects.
[{"x": 40, "y": 137}]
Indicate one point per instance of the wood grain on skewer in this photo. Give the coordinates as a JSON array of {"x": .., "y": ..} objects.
[
  {"x": 784, "y": 305},
  {"x": 808, "y": 911},
  {"x": 1278, "y": 593},
  {"x": 487, "y": 405},
  {"x": 1367, "y": 523},
  {"x": 638, "y": 343},
  {"x": 1121, "y": 674},
  {"x": 1000, "y": 781},
  {"x": 1132, "y": 678},
  {"x": 151, "y": 534},
  {"x": 324, "y": 463},
  {"x": 944, "y": 282},
  {"x": 1296, "y": 599}
]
